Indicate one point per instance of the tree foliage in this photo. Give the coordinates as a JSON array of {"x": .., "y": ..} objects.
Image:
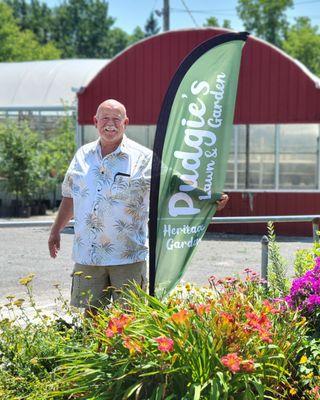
[
  {"x": 17, "y": 154},
  {"x": 213, "y": 21},
  {"x": 34, "y": 16},
  {"x": 303, "y": 43},
  {"x": 265, "y": 18},
  {"x": 17, "y": 45},
  {"x": 151, "y": 27},
  {"x": 81, "y": 28},
  {"x": 78, "y": 28}
]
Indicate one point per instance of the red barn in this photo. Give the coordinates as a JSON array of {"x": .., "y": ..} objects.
[{"x": 274, "y": 165}]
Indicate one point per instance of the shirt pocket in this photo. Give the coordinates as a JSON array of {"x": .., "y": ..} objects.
[{"x": 121, "y": 187}]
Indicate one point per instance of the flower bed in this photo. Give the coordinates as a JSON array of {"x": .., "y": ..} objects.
[{"x": 226, "y": 341}]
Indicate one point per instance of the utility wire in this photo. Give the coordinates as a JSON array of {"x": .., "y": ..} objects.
[{"x": 189, "y": 12}]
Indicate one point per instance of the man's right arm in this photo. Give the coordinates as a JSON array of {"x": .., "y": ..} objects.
[{"x": 65, "y": 213}]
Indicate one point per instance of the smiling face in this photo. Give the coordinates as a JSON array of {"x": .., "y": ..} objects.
[{"x": 110, "y": 121}]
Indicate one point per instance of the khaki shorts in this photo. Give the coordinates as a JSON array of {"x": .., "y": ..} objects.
[{"x": 94, "y": 285}]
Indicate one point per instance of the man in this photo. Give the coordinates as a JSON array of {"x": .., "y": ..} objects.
[{"x": 106, "y": 189}]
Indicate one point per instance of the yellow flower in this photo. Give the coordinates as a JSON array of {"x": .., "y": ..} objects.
[
  {"x": 26, "y": 280},
  {"x": 34, "y": 361},
  {"x": 310, "y": 375},
  {"x": 18, "y": 302},
  {"x": 293, "y": 391},
  {"x": 78, "y": 273},
  {"x": 88, "y": 277},
  {"x": 303, "y": 359},
  {"x": 188, "y": 286}
]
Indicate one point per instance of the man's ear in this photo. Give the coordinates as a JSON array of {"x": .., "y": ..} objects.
[
  {"x": 126, "y": 121},
  {"x": 95, "y": 121}
]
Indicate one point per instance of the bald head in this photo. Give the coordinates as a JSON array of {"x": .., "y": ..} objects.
[
  {"x": 110, "y": 120},
  {"x": 112, "y": 105}
]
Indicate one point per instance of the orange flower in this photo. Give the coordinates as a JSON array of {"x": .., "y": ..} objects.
[
  {"x": 180, "y": 317},
  {"x": 260, "y": 324},
  {"x": 226, "y": 317},
  {"x": 232, "y": 362},
  {"x": 132, "y": 345},
  {"x": 116, "y": 325},
  {"x": 165, "y": 344},
  {"x": 200, "y": 309},
  {"x": 269, "y": 308}
]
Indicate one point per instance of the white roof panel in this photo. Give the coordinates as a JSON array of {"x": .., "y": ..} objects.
[{"x": 45, "y": 83}]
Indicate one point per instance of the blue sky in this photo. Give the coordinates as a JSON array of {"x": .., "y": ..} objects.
[{"x": 130, "y": 13}]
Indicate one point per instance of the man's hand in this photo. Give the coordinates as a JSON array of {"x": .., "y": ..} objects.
[
  {"x": 54, "y": 244},
  {"x": 222, "y": 202},
  {"x": 64, "y": 215}
]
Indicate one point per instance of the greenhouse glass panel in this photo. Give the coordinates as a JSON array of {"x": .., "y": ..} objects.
[
  {"x": 262, "y": 157},
  {"x": 298, "y": 156},
  {"x": 241, "y": 156}
]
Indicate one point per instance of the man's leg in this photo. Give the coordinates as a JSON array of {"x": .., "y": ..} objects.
[
  {"x": 122, "y": 276},
  {"x": 90, "y": 287}
]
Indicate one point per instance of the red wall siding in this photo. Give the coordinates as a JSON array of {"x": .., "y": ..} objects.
[
  {"x": 269, "y": 203},
  {"x": 272, "y": 88}
]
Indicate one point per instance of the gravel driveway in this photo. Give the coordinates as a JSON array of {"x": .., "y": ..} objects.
[{"x": 24, "y": 251}]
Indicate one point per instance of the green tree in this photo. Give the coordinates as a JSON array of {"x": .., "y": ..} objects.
[
  {"x": 16, "y": 45},
  {"x": 151, "y": 27},
  {"x": 116, "y": 41},
  {"x": 303, "y": 43},
  {"x": 81, "y": 28},
  {"x": 34, "y": 16},
  {"x": 54, "y": 156},
  {"x": 18, "y": 146},
  {"x": 137, "y": 35},
  {"x": 213, "y": 21},
  {"x": 265, "y": 18}
]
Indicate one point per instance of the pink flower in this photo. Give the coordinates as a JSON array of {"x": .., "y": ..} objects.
[
  {"x": 232, "y": 362},
  {"x": 165, "y": 344}
]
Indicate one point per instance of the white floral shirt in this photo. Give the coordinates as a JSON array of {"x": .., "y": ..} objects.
[{"x": 111, "y": 203}]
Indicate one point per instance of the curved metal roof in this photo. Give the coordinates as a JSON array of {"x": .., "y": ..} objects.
[
  {"x": 45, "y": 84},
  {"x": 273, "y": 87}
]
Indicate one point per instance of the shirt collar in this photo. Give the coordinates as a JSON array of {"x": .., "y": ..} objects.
[{"x": 122, "y": 148}]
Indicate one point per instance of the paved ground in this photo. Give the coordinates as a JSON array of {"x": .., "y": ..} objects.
[{"x": 24, "y": 251}]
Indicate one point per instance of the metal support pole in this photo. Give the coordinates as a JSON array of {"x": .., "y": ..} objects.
[
  {"x": 236, "y": 155},
  {"x": 277, "y": 157},
  {"x": 315, "y": 229},
  {"x": 247, "y": 178},
  {"x": 166, "y": 15},
  {"x": 264, "y": 257}
]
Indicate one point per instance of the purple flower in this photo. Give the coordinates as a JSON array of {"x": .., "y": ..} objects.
[{"x": 305, "y": 291}]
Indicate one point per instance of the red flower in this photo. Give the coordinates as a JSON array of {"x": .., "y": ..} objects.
[
  {"x": 247, "y": 366},
  {"x": 165, "y": 344},
  {"x": 116, "y": 325},
  {"x": 226, "y": 317},
  {"x": 232, "y": 362}
]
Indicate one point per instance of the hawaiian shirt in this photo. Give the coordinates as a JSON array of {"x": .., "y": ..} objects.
[{"x": 110, "y": 203}]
